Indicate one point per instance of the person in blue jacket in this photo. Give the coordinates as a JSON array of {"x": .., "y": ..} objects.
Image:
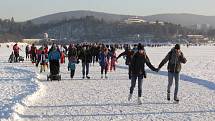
[
  {"x": 54, "y": 57},
  {"x": 104, "y": 61}
]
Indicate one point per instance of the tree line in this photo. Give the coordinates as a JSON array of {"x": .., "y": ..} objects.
[{"x": 91, "y": 29}]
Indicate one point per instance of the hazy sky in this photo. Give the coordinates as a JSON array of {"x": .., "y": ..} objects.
[{"x": 23, "y": 10}]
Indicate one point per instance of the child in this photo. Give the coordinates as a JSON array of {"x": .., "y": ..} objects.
[
  {"x": 42, "y": 61},
  {"x": 103, "y": 61},
  {"x": 113, "y": 60},
  {"x": 62, "y": 58},
  {"x": 71, "y": 66}
]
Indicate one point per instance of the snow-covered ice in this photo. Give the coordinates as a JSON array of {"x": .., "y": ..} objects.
[{"x": 26, "y": 95}]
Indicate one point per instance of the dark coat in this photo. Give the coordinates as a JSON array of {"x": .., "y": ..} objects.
[
  {"x": 138, "y": 64},
  {"x": 175, "y": 60},
  {"x": 72, "y": 52},
  {"x": 85, "y": 56},
  {"x": 128, "y": 56}
]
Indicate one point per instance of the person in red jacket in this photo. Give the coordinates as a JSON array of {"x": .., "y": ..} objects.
[
  {"x": 16, "y": 52},
  {"x": 62, "y": 58},
  {"x": 113, "y": 59},
  {"x": 46, "y": 54}
]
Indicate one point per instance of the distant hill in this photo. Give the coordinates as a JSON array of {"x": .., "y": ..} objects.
[
  {"x": 183, "y": 19},
  {"x": 79, "y": 14}
]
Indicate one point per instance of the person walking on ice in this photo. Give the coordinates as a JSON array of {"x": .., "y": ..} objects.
[
  {"x": 86, "y": 58},
  {"x": 104, "y": 61},
  {"x": 72, "y": 66},
  {"x": 175, "y": 58},
  {"x": 128, "y": 54},
  {"x": 73, "y": 59},
  {"x": 113, "y": 59},
  {"x": 138, "y": 71}
]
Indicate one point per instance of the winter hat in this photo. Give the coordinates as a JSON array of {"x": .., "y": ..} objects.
[
  {"x": 140, "y": 47},
  {"x": 177, "y": 46}
]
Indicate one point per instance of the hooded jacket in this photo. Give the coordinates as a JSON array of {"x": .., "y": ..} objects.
[
  {"x": 85, "y": 56},
  {"x": 175, "y": 60}
]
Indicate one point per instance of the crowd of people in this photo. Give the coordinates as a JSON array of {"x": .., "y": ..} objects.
[{"x": 135, "y": 58}]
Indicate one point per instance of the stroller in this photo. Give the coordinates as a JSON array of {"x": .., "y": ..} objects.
[
  {"x": 54, "y": 71},
  {"x": 21, "y": 58}
]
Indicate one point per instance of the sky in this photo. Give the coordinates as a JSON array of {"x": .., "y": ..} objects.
[{"x": 23, "y": 10}]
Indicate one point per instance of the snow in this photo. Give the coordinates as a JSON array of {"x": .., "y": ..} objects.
[{"x": 26, "y": 95}]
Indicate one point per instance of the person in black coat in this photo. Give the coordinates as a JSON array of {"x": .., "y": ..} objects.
[
  {"x": 86, "y": 58},
  {"x": 138, "y": 71},
  {"x": 128, "y": 53}
]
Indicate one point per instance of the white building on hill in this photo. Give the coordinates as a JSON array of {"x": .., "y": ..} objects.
[{"x": 134, "y": 20}]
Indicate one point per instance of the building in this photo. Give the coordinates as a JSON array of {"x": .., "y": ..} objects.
[
  {"x": 134, "y": 20},
  {"x": 156, "y": 22},
  {"x": 31, "y": 41},
  {"x": 197, "y": 38},
  {"x": 204, "y": 27}
]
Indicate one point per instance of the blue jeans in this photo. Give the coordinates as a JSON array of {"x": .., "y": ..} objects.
[
  {"x": 133, "y": 83},
  {"x": 172, "y": 75},
  {"x": 85, "y": 65}
]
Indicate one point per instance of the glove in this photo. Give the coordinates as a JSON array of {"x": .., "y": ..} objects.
[{"x": 157, "y": 69}]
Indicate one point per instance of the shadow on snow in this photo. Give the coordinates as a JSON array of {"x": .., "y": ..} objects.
[{"x": 205, "y": 83}]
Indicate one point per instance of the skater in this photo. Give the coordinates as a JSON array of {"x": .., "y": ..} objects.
[
  {"x": 104, "y": 61},
  {"x": 54, "y": 57},
  {"x": 33, "y": 53},
  {"x": 38, "y": 55},
  {"x": 62, "y": 54},
  {"x": 94, "y": 53},
  {"x": 128, "y": 53},
  {"x": 41, "y": 58},
  {"x": 113, "y": 59},
  {"x": 62, "y": 57},
  {"x": 72, "y": 51},
  {"x": 42, "y": 62},
  {"x": 86, "y": 58},
  {"x": 175, "y": 58},
  {"x": 138, "y": 71},
  {"x": 72, "y": 56},
  {"x": 46, "y": 54},
  {"x": 71, "y": 66},
  {"x": 27, "y": 52},
  {"x": 16, "y": 52}
]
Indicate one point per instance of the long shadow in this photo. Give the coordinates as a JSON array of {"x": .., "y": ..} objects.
[
  {"x": 115, "y": 114},
  {"x": 98, "y": 105},
  {"x": 205, "y": 83}
]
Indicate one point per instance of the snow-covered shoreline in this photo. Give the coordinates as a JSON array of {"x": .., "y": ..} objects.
[{"x": 17, "y": 80}]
